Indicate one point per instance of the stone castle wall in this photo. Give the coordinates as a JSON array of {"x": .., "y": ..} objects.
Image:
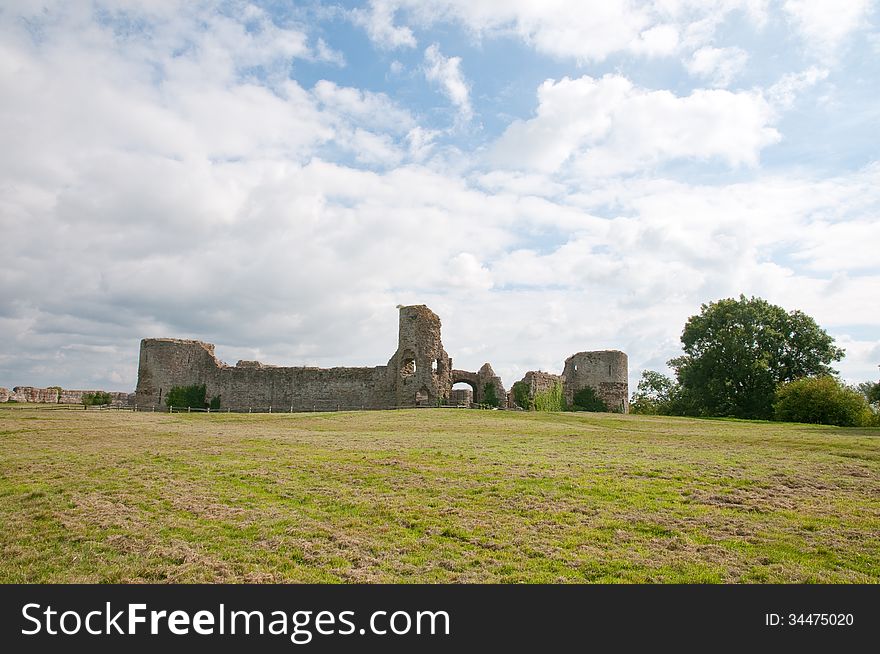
[
  {"x": 417, "y": 374},
  {"x": 55, "y": 395}
]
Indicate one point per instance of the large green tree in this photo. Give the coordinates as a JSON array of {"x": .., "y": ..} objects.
[{"x": 736, "y": 352}]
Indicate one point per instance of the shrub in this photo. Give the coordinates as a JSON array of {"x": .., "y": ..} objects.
[
  {"x": 550, "y": 400},
  {"x": 521, "y": 397},
  {"x": 490, "y": 395},
  {"x": 215, "y": 403},
  {"x": 586, "y": 399},
  {"x": 821, "y": 400},
  {"x": 187, "y": 396},
  {"x": 98, "y": 398}
]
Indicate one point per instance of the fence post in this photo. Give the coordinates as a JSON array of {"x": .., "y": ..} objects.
[
  {"x": 209, "y": 409},
  {"x": 189, "y": 409},
  {"x": 170, "y": 408},
  {"x": 291, "y": 408},
  {"x": 270, "y": 408},
  {"x": 249, "y": 409}
]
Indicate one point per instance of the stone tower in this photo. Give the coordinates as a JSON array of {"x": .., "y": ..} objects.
[
  {"x": 420, "y": 369},
  {"x": 605, "y": 370}
]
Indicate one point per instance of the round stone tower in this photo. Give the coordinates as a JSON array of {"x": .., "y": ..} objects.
[{"x": 606, "y": 371}]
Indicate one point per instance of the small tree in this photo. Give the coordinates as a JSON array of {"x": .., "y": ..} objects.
[
  {"x": 98, "y": 398},
  {"x": 821, "y": 400},
  {"x": 490, "y": 395},
  {"x": 871, "y": 391},
  {"x": 215, "y": 403},
  {"x": 655, "y": 394},
  {"x": 187, "y": 396},
  {"x": 586, "y": 399},
  {"x": 521, "y": 394}
]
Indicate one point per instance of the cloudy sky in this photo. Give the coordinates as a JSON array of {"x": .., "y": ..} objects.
[{"x": 549, "y": 177}]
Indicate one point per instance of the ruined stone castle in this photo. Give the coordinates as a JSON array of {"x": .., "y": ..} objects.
[{"x": 420, "y": 373}]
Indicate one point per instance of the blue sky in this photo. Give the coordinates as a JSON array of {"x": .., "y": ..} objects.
[{"x": 553, "y": 177}]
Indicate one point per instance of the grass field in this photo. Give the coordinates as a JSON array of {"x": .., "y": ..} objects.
[{"x": 433, "y": 496}]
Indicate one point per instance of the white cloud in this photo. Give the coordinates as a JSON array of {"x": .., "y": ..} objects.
[
  {"x": 657, "y": 41},
  {"x": 446, "y": 71},
  {"x": 378, "y": 21},
  {"x": 718, "y": 65},
  {"x": 825, "y": 24},
  {"x": 564, "y": 28},
  {"x": 784, "y": 92},
  {"x": 327, "y": 54},
  {"x": 608, "y": 126},
  {"x": 376, "y": 110},
  {"x": 421, "y": 142}
]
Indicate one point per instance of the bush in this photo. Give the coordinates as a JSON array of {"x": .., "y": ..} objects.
[
  {"x": 821, "y": 400},
  {"x": 187, "y": 396},
  {"x": 215, "y": 403},
  {"x": 550, "y": 400},
  {"x": 98, "y": 398},
  {"x": 521, "y": 397},
  {"x": 586, "y": 399},
  {"x": 490, "y": 395}
]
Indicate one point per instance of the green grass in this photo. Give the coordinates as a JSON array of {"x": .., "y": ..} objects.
[{"x": 433, "y": 496}]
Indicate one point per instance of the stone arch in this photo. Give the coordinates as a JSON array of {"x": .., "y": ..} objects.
[{"x": 469, "y": 378}]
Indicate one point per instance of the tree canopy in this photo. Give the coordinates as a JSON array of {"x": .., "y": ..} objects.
[{"x": 737, "y": 351}]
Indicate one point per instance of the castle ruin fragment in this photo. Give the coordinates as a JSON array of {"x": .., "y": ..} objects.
[{"x": 419, "y": 373}]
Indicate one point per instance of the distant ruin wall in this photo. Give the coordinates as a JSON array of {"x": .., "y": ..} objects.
[{"x": 56, "y": 395}]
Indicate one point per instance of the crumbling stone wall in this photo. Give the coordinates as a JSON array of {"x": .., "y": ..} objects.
[
  {"x": 540, "y": 382},
  {"x": 417, "y": 374},
  {"x": 606, "y": 371},
  {"x": 478, "y": 380},
  {"x": 57, "y": 395}
]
